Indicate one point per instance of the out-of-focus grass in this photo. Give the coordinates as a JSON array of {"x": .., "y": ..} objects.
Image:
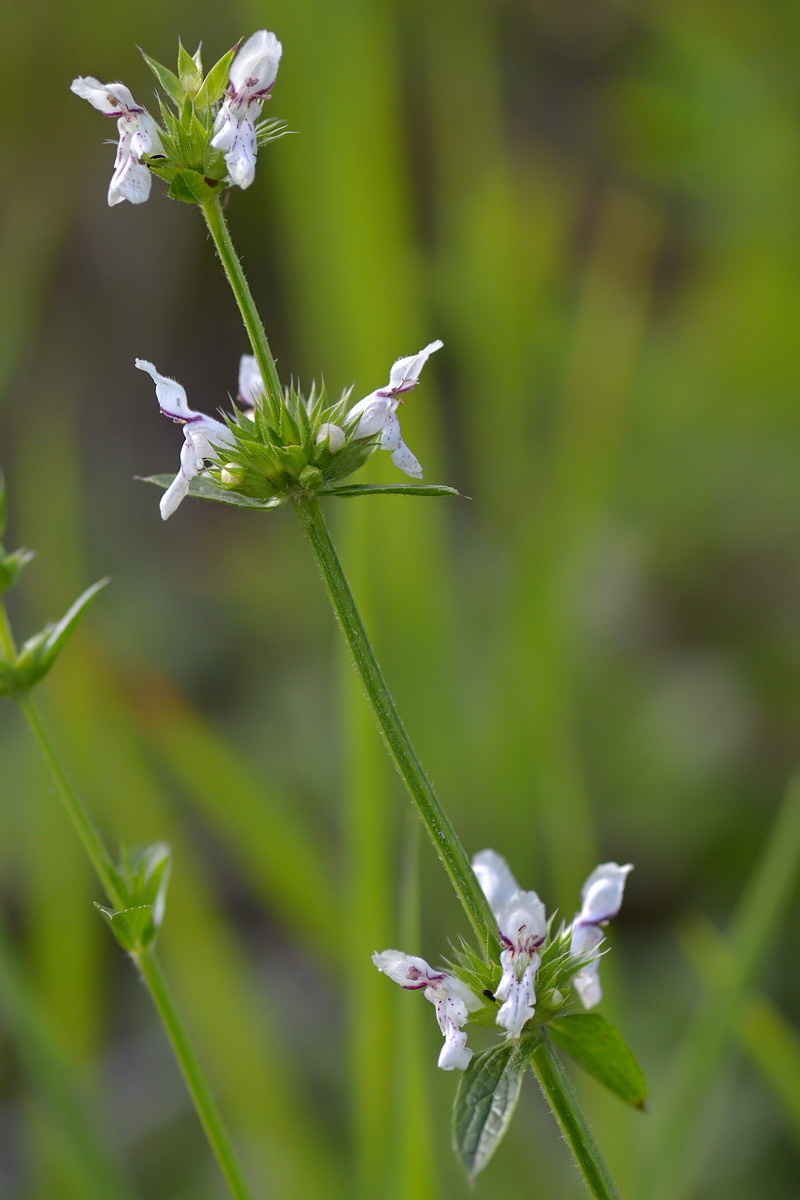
[{"x": 596, "y": 208}]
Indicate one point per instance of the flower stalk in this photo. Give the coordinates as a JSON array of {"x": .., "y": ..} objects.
[{"x": 143, "y": 955}]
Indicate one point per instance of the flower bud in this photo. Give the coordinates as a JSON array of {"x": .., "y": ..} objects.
[
  {"x": 332, "y": 435},
  {"x": 231, "y": 475}
]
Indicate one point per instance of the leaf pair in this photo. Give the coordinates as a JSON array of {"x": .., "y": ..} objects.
[
  {"x": 141, "y": 879},
  {"x": 39, "y": 653},
  {"x": 489, "y": 1089}
]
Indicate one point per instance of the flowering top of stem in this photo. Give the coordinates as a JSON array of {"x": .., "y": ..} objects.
[
  {"x": 208, "y": 140},
  {"x": 571, "y": 956},
  {"x": 451, "y": 998}
]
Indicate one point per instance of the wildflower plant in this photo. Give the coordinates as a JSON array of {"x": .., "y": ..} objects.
[{"x": 278, "y": 446}]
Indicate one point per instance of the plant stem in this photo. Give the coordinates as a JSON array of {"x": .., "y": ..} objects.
[
  {"x": 563, "y": 1102},
  {"x": 85, "y": 827},
  {"x": 436, "y": 821},
  {"x": 218, "y": 228},
  {"x": 204, "y": 1102},
  {"x": 144, "y": 957}
]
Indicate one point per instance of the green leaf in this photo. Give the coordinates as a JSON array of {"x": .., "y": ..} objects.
[
  {"x": 40, "y": 651},
  {"x": 392, "y": 489},
  {"x": 145, "y": 875},
  {"x": 11, "y": 565},
  {"x": 191, "y": 187},
  {"x": 168, "y": 80},
  {"x": 204, "y": 489},
  {"x": 602, "y": 1051},
  {"x": 216, "y": 80},
  {"x": 487, "y": 1096},
  {"x": 130, "y": 926}
]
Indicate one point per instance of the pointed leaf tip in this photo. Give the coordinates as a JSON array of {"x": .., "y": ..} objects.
[{"x": 600, "y": 1049}]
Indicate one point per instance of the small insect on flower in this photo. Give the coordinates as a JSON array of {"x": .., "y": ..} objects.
[{"x": 138, "y": 135}]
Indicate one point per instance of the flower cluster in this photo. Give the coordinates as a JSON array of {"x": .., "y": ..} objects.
[
  {"x": 568, "y": 958},
  {"x": 269, "y": 451},
  {"x": 209, "y": 141}
]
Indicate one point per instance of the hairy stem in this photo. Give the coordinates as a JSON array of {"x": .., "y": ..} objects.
[
  {"x": 218, "y": 228},
  {"x": 563, "y": 1102},
  {"x": 435, "y": 819}
]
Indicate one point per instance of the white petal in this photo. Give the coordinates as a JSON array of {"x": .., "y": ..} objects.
[
  {"x": 390, "y": 436},
  {"x": 170, "y": 395},
  {"x": 225, "y": 128},
  {"x": 520, "y": 1001},
  {"x": 587, "y": 984},
  {"x": 111, "y": 99},
  {"x": 251, "y": 385},
  {"x": 495, "y": 877},
  {"x": 254, "y": 68},
  {"x": 523, "y": 920},
  {"x": 457, "y": 988},
  {"x": 586, "y": 938},
  {"x": 173, "y": 496},
  {"x": 407, "y": 970},
  {"x": 601, "y": 894},
  {"x": 131, "y": 181},
  {"x": 455, "y": 1054},
  {"x": 241, "y": 158},
  {"x": 406, "y": 371},
  {"x": 374, "y": 412},
  {"x": 406, "y": 461}
]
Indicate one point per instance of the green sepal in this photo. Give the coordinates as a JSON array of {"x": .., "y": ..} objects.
[
  {"x": 129, "y": 926},
  {"x": 485, "y": 1101},
  {"x": 270, "y": 131},
  {"x": 191, "y": 187},
  {"x": 203, "y": 489},
  {"x": 11, "y": 565},
  {"x": 392, "y": 489},
  {"x": 190, "y": 69},
  {"x": 168, "y": 80},
  {"x": 216, "y": 81},
  {"x": 40, "y": 651},
  {"x": 600, "y": 1049}
]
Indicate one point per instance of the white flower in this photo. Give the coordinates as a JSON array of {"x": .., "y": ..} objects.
[
  {"x": 451, "y": 998},
  {"x": 138, "y": 135},
  {"x": 251, "y": 77},
  {"x": 522, "y": 924},
  {"x": 201, "y": 433},
  {"x": 378, "y": 410},
  {"x": 601, "y": 897}
]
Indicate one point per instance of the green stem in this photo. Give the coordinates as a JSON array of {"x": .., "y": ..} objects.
[
  {"x": 144, "y": 957},
  {"x": 198, "y": 1086},
  {"x": 436, "y": 821},
  {"x": 563, "y": 1102},
  {"x": 85, "y": 827},
  {"x": 218, "y": 228}
]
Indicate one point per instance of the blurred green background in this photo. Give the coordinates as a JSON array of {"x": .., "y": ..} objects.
[{"x": 595, "y": 205}]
